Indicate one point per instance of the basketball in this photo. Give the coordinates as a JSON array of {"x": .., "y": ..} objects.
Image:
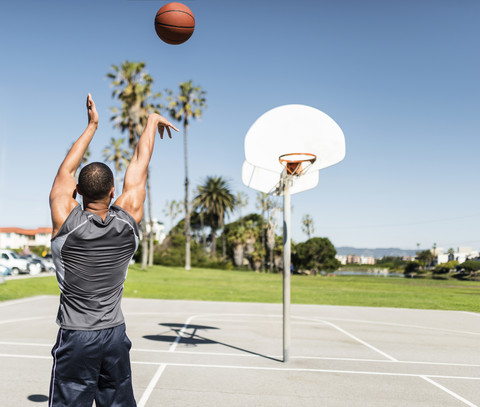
[{"x": 174, "y": 23}]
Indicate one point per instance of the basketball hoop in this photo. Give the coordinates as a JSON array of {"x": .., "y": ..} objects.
[{"x": 297, "y": 163}]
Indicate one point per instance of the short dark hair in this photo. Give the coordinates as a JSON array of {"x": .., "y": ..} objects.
[{"x": 95, "y": 181}]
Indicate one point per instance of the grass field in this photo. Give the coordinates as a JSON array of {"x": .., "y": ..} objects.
[{"x": 221, "y": 285}]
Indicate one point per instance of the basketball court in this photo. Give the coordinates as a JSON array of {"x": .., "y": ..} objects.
[{"x": 190, "y": 353}]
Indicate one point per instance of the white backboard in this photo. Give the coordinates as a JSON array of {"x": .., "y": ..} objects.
[
  {"x": 294, "y": 129},
  {"x": 267, "y": 181}
]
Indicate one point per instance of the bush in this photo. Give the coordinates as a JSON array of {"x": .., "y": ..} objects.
[
  {"x": 468, "y": 270},
  {"x": 172, "y": 253},
  {"x": 412, "y": 268},
  {"x": 317, "y": 253},
  {"x": 444, "y": 268}
]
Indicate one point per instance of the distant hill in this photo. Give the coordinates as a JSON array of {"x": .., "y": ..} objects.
[{"x": 377, "y": 253}]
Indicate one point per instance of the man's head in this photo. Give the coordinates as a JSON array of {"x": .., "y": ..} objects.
[{"x": 95, "y": 182}]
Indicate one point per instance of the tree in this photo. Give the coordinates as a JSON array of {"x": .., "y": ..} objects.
[
  {"x": 269, "y": 207},
  {"x": 451, "y": 254},
  {"x": 115, "y": 153},
  {"x": 133, "y": 88},
  {"x": 172, "y": 209},
  {"x": 187, "y": 105},
  {"x": 468, "y": 269},
  {"x": 201, "y": 209},
  {"x": 307, "y": 226},
  {"x": 215, "y": 196},
  {"x": 425, "y": 258},
  {"x": 241, "y": 202},
  {"x": 317, "y": 254},
  {"x": 411, "y": 268},
  {"x": 444, "y": 268}
]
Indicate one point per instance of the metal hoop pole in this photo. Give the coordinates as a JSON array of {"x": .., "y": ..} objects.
[{"x": 286, "y": 267}]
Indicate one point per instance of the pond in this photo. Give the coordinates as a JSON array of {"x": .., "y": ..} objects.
[{"x": 372, "y": 273}]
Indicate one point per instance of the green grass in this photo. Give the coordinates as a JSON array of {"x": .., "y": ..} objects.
[{"x": 221, "y": 285}]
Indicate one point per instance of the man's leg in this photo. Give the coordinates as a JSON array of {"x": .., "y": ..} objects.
[
  {"x": 76, "y": 365},
  {"x": 115, "y": 381}
]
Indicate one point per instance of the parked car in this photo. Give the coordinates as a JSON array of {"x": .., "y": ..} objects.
[
  {"x": 4, "y": 270},
  {"x": 17, "y": 265},
  {"x": 36, "y": 266},
  {"x": 45, "y": 264}
]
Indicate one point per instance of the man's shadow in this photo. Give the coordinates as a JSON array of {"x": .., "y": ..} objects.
[{"x": 190, "y": 337}]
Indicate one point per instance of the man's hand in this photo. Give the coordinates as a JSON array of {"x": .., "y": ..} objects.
[
  {"x": 92, "y": 111},
  {"x": 162, "y": 124}
]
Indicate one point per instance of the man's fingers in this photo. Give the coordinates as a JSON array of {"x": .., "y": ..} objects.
[
  {"x": 160, "y": 131},
  {"x": 169, "y": 133},
  {"x": 90, "y": 102}
]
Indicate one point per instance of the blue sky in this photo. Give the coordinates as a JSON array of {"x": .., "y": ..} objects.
[{"x": 399, "y": 77}]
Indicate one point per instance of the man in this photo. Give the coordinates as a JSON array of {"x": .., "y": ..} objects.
[{"x": 92, "y": 247}]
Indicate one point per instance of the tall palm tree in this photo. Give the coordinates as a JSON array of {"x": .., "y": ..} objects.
[
  {"x": 117, "y": 155},
  {"x": 183, "y": 107},
  {"x": 133, "y": 88},
  {"x": 216, "y": 197}
]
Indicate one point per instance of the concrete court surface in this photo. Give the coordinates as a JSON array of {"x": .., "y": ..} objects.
[{"x": 193, "y": 353}]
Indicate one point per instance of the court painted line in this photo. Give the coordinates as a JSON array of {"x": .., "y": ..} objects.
[
  {"x": 12, "y": 321},
  {"x": 26, "y": 344},
  {"x": 287, "y": 369},
  {"x": 23, "y": 300},
  {"x": 156, "y": 377},
  {"x": 363, "y": 321},
  {"x": 458, "y": 397},
  {"x": 151, "y": 386},
  {"x": 173, "y": 346},
  {"x": 236, "y": 355},
  {"x": 6, "y": 355},
  {"x": 361, "y": 341},
  {"x": 162, "y": 367}
]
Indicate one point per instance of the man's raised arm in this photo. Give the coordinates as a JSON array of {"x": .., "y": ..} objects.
[
  {"x": 133, "y": 195},
  {"x": 62, "y": 195}
]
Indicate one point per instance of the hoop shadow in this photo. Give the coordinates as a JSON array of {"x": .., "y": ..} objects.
[{"x": 194, "y": 339}]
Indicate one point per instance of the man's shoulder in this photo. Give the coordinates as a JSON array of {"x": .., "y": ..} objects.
[
  {"x": 122, "y": 214},
  {"x": 72, "y": 219}
]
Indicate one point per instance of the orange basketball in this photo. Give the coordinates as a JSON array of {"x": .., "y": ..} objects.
[{"x": 174, "y": 23}]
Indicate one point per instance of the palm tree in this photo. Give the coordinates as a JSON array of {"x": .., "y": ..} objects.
[
  {"x": 217, "y": 199},
  {"x": 307, "y": 226},
  {"x": 241, "y": 202},
  {"x": 115, "y": 153},
  {"x": 268, "y": 206},
  {"x": 187, "y": 105},
  {"x": 172, "y": 209},
  {"x": 133, "y": 88}
]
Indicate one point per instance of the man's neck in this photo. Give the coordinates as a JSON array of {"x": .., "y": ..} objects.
[{"x": 99, "y": 208}]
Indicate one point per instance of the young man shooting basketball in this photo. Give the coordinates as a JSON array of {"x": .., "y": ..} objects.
[{"x": 92, "y": 247}]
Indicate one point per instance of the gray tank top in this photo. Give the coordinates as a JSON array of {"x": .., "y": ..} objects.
[{"x": 91, "y": 258}]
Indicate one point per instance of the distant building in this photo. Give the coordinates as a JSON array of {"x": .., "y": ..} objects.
[
  {"x": 18, "y": 238},
  {"x": 158, "y": 230},
  {"x": 461, "y": 255},
  {"x": 354, "y": 259}
]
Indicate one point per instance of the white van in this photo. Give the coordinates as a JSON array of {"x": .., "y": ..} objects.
[{"x": 10, "y": 259}]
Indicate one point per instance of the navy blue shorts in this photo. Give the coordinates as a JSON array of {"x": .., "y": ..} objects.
[{"x": 92, "y": 365}]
